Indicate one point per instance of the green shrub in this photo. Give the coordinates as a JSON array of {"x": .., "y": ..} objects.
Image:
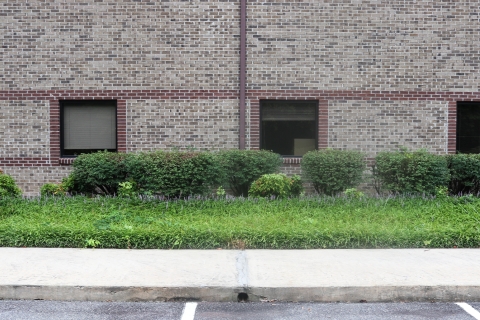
[
  {"x": 296, "y": 186},
  {"x": 51, "y": 189},
  {"x": 411, "y": 172},
  {"x": 127, "y": 189},
  {"x": 465, "y": 173},
  {"x": 333, "y": 171},
  {"x": 174, "y": 174},
  {"x": 99, "y": 172},
  {"x": 242, "y": 167},
  {"x": 221, "y": 192},
  {"x": 353, "y": 193},
  {"x": 8, "y": 187},
  {"x": 276, "y": 184},
  {"x": 68, "y": 183}
]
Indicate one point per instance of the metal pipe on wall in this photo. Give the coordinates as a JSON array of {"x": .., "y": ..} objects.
[{"x": 243, "y": 65}]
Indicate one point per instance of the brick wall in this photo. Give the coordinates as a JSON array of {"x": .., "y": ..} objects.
[
  {"x": 24, "y": 128},
  {"x": 30, "y": 179},
  {"x": 426, "y": 45},
  {"x": 385, "y": 73},
  {"x": 117, "y": 44},
  {"x": 166, "y": 124},
  {"x": 390, "y": 72},
  {"x": 172, "y": 66},
  {"x": 370, "y": 126}
]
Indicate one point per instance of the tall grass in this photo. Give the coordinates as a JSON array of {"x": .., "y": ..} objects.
[{"x": 201, "y": 223}]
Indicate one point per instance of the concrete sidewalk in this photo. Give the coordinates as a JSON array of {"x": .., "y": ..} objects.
[{"x": 226, "y": 275}]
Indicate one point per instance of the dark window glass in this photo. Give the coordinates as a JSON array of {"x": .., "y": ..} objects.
[
  {"x": 288, "y": 127},
  {"x": 88, "y": 126},
  {"x": 468, "y": 127}
]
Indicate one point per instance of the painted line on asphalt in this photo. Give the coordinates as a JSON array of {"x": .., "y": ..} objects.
[
  {"x": 189, "y": 311},
  {"x": 469, "y": 309}
]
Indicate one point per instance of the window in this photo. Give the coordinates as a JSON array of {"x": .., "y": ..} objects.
[
  {"x": 468, "y": 127},
  {"x": 288, "y": 127},
  {"x": 88, "y": 126}
]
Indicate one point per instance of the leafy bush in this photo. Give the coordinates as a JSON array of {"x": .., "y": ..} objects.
[
  {"x": 99, "y": 172},
  {"x": 174, "y": 174},
  {"x": 465, "y": 173},
  {"x": 411, "y": 171},
  {"x": 242, "y": 167},
  {"x": 276, "y": 184},
  {"x": 333, "y": 171},
  {"x": 8, "y": 187},
  {"x": 296, "y": 186},
  {"x": 221, "y": 192},
  {"x": 353, "y": 193},
  {"x": 68, "y": 183},
  {"x": 127, "y": 189},
  {"x": 51, "y": 189}
]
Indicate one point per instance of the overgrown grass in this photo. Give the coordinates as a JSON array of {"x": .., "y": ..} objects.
[{"x": 317, "y": 222}]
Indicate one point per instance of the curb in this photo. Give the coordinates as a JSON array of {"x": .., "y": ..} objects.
[{"x": 225, "y": 294}]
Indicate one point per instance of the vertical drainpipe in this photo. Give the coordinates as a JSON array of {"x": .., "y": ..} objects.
[{"x": 243, "y": 65}]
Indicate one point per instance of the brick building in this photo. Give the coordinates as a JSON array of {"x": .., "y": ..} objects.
[{"x": 291, "y": 76}]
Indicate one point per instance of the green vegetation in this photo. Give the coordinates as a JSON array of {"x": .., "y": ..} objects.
[
  {"x": 8, "y": 187},
  {"x": 465, "y": 173},
  {"x": 410, "y": 172},
  {"x": 173, "y": 174},
  {"x": 99, "y": 172},
  {"x": 276, "y": 185},
  {"x": 242, "y": 167},
  {"x": 309, "y": 222},
  {"x": 161, "y": 202},
  {"x": 333, "y": 171},
  {"x": 52, "y": 189},
  {"x": 168, "y": 173}
]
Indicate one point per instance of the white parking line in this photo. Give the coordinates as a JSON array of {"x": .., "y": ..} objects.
[
  {"x": 189, "y": 311},
  {"x": 469, "y": 309}
]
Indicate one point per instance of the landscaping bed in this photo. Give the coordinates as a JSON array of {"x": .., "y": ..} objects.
[{"x": 238, "y": 223}]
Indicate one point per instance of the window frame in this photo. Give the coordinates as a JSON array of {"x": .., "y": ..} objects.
[
  {"x": 459, "y": 123},
  {"x": 307, "y": 101},
  {"x": 62, "y": 124}
]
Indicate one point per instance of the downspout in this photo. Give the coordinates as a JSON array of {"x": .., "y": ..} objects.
[{"x": 243, "y": 65}]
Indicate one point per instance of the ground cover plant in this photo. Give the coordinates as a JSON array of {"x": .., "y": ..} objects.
[{"x": 351, "y": 221}]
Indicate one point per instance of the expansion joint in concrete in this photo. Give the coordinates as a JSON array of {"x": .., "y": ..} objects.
[{"x": 241, "y": 263}]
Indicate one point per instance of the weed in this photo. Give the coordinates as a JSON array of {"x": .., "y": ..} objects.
[{"x": 91, "y": 243}]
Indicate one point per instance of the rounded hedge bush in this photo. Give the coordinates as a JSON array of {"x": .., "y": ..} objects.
[
  {"x": 333, "y": 171},
  {"x": 173, "y": 174},
  {"x": 411, "y": 172},
  {"x": 98, "y": 172},
  {"x": 242, "y": 167}
]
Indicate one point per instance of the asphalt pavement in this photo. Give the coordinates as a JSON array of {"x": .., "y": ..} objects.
[
  {"x": 357, "y": 275},
  {"x": 93, "y": 310}
]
